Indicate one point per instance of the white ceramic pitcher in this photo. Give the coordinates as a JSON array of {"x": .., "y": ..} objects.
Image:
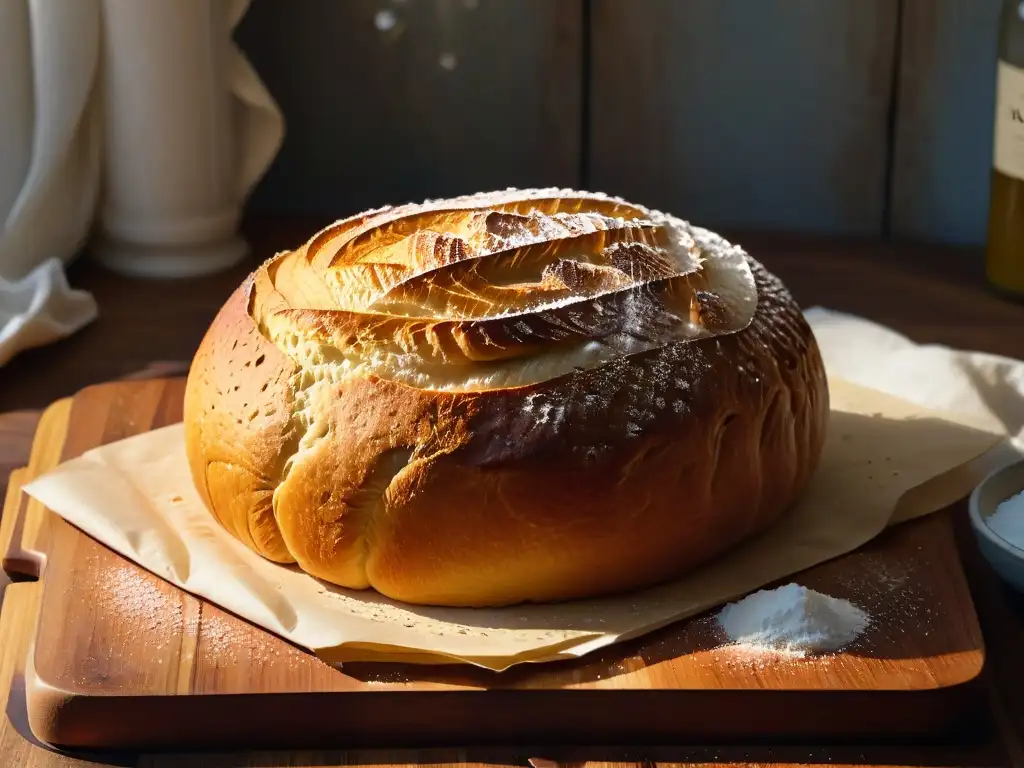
[
  {"x": 189, "y": 130},
  {"x": 142, "y": 114}
]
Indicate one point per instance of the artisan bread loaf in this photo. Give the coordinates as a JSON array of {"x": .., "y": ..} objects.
[{"x": 518, "y": 396}]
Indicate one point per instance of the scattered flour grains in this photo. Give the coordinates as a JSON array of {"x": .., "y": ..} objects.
[
  {"x": 794, "y": 620},
  {"x": 1007, "y": 522}
]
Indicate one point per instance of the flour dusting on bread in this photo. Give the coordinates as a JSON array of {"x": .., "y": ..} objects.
[{"x": 518, "y": 396}]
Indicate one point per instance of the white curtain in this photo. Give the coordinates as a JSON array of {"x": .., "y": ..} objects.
[{"x": 75, "y": 75}]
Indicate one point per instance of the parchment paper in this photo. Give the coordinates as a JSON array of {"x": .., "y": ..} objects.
[
  {"x": 886, "y": 460},
  {"x": 977, "y": 384}
]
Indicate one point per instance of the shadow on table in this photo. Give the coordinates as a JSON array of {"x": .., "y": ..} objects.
[{"x": 980, "y": 755}]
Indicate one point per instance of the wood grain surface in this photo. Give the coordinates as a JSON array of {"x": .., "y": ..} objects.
[
  {"x": 697, "y": 108},
  {"x": 124, "y": 659},
  {"x": 754, "y": 113},
  {"x": 16, "y": 430},
  {"x": 843, "y": 116}
]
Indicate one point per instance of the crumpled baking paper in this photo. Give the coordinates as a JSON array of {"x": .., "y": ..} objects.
[{"x": 976, "y": 384}]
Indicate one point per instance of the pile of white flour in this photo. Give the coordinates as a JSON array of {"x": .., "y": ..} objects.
[{"x": 793, "y": 619}]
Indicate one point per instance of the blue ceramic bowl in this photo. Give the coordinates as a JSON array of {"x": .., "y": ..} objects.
[{"x": 1006, "y": 559}]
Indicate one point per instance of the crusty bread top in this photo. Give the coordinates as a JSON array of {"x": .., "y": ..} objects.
[{"x": 498, "y": 290}]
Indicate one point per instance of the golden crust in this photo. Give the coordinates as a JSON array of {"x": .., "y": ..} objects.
[
  {"x": 239, "y": 430},
  {"x": 357, "y": 407}
]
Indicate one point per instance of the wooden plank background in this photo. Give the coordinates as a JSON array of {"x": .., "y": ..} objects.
[
  {"x": 946, "y": 103},
  {"x": 697, "y": 107},
  {"x": 456, "y": 97},
  {"x": 863, "y": 117}
]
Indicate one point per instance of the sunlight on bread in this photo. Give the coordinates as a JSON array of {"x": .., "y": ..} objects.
[{"x": 516, "y": 396}]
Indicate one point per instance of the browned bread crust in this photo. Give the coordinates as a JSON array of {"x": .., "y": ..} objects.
[{"x": 519, "y": 396}]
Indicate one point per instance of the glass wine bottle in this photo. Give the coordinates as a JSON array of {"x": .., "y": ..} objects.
[{"x": 1004, "y": 262}]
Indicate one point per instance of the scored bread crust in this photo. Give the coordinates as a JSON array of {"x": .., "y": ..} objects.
[{"x": 454, "y": 403}]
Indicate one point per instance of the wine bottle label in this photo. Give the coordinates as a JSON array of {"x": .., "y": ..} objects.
[{"x": 1008, "y": 150}]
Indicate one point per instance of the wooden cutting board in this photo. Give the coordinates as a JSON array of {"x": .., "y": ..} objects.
[{"x": 122, "y": 659}]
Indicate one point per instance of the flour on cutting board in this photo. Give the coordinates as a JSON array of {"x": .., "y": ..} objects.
[{"x": 794, "y": 620}]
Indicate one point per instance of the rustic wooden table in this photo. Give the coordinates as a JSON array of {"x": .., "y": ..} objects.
[{"x": 932, "y": 294}]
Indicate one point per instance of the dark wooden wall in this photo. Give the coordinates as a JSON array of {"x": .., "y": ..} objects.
[
  {"x": 945, "y": 108},
  {"x": 864, "y": 117}
]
